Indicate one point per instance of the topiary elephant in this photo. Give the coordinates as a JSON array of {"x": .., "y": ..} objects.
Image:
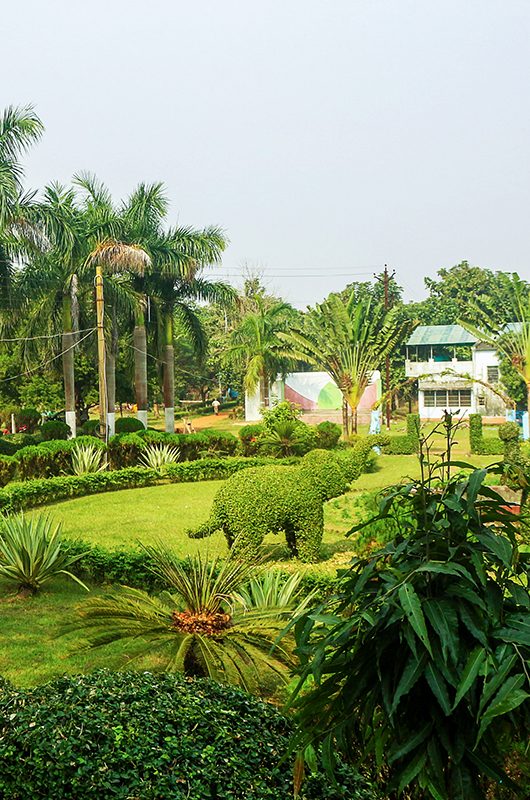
[{"x": 273, "y": 499}]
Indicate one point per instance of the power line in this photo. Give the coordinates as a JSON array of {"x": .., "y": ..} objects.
[
  {"x": 49, "y": 361},
  {"x": 44, "y": 336}
]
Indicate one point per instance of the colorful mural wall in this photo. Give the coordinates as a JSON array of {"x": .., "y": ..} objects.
[{"x": 317, "y": 391}]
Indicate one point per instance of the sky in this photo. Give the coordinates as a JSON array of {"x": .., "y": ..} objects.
[{"x": 326, "y": 137}]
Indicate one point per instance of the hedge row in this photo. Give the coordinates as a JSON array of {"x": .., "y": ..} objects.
[
  {"x": 19, "y": 496},
  {"x": 477, "y": 444}
]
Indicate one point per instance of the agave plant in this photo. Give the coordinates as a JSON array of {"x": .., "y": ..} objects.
[
  {"x": 31, "y": 552},
  {"x": 87, "y": 458},
  {"x": 272, "y": 589},
  {"x": 204, "y": 625},
  {"x": 158, "y": 456}
]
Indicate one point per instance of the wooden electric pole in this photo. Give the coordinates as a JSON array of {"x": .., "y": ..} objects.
[
  {"x": 385, "y": 280},
  {"x": 100, "y": 312}
]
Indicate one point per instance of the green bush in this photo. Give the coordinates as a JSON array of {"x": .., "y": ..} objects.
[
  {"x": 51, "y": 458},
  {"x": 124, "y": 450},
  {"x": 12, "y": 443},
  {"x": 401, "y": 446},
  {"x": 221, "y": 443},
  {"x": 360, "y": 456},
  {"x": 8, "y": 468},
  {"x": 124, "y": 735},
  {"x": 249, "y": 436},
  {"x": 90, "y": 428},
  {"x": 129, "y": 425},
  {"x": 326, "y": 471},
  {"x": 509, "y": 434},
  {"x": 287, "y": 438},
  {"x": 281, "y": 412},
  {"x": 475, "y": 434},
  {"x": 413, "y": 426},
  {"x": 28, "y": 418},
  {"x": 54, "y": 429},
  {"x": 327, "y": 435},
  {"x": 32, "y": 493}
]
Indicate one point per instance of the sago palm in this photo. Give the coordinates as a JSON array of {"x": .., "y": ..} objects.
[
  {"x": 349, "y": 341},
  {"x": 202, "y": 626}
]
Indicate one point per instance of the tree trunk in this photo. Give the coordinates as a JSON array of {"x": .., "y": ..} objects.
[
  {"x": 140, "y": 370},
  {"x": 110, "y": 369},
  {"x": 68, "y": 341},
  {"x": 169, "y": 373},
  {"x": 345, "y": 420}
]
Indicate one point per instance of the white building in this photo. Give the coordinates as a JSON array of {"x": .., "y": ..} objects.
[{"x": 455, "y": 372}]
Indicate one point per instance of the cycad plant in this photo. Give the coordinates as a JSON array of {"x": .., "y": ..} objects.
[
  {"x": 31, "y": 553},
  {"x": 158, "y": 456},
  {"x": 285, "y": 438},
  {"x": 87, "y": 458},
  {"x": 201, "y": 626}
]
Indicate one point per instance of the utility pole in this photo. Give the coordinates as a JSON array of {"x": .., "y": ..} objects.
[
  {"x": 100, "y": 311},
  {"x": 385, "y": 280}
]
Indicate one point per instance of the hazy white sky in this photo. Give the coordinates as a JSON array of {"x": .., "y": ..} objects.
[{"x": 326, "y": 136}]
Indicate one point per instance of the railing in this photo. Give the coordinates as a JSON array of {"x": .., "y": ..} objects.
[{"x": 419, "y": 369}]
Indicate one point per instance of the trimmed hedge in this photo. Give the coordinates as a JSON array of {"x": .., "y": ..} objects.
[
  {"x": 249, "y": 436},
  {"x": 54, "y": 429},
  {"x": 124, "y": 450},
  {"x": 124, "y": 735},
  {"x": 401, "y": 446},
  {"x": 328, "y": 435},
  {"x": 50, "y": 458},
  {"x": 8, "y": 468},
  {"x": 477, "y": 444},
  {"x": 19, "y": 496},
  {"x": 129, "y": 425}
]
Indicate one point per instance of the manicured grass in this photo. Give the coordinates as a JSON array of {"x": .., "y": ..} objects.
[{"x": 31, "y": 649}]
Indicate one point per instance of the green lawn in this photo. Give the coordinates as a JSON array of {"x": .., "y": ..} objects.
[{"x": 31, "y": 649}]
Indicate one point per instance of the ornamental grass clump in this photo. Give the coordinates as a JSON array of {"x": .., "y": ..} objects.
[
  {"x": 31, "y": 553},
  {"x": 200, "y": 625},
  {"x": 87, "y": 458},
  {"x": 158, "y": 456}
]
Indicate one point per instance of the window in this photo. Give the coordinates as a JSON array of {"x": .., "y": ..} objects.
[
  {"x": 447, "y": 398},
  {"x": 493, "y": 374}
]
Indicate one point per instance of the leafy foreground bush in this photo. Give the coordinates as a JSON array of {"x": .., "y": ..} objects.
[
  {"x": 136, "y": 735},
  {"x": 428, "y": 675}
]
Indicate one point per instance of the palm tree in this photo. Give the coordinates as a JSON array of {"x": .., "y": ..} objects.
[
  {"x": 349, "y": 341},
  {"x": 219, "y": 619},
  {"x": 176, "y": 284},
  {"x": 19, "y": 129},
  {"x": 511, "y": 340},
  {"x": 256, "y": 347},
  {"x": 178, "y": 255}
]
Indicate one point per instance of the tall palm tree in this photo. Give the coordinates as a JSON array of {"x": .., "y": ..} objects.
[
  {"x": 512, "y": 339},
  {"x": 218, "y": 619},
  {"x": 176, "y": 285},
  {"x": 178, "y": 255},
  {"x": 19, "y": 129},
  {"x": 349, "y": 340},
  {"x": 256, "y": 347}
]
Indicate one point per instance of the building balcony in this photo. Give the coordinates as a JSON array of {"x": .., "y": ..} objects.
[{"x": 426, "y": 369}]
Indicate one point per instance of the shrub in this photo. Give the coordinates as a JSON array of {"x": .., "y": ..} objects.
[
  {"x": 51, "y": 458},
  {"x": 509, "y": 434},
  {"x": 12, "y": 443},
  {"x": 360, "y": 457},
  {"x": 129, "y": 425},
  {"x": 90, "y": 428},
  {"x": 423, "y": 661},
  {"x": 249, "y": 436},
  {"x": 414, "y": 426},
  {"x": 286, "y": 438},
  {"x": 55, "y": 429},
  {"x": 31, "y": 552},
  {"x": 8, "y": 468},
  {"x": 327, "y": 435},
  {"x": 475, "y": 434},
  {"x": 326, "y": 471},
  {"x": 28, "y": 418},
  {"x": 96, "y": 736},
  {"x": 87, "y": 458},
  {"x": 401, "y": 446},
  {"x": 125, "y": 450},
  {"x": 158, "y": 456},
  {"x": 282, "y": 412},
  {"x": 220, "y": 443}
]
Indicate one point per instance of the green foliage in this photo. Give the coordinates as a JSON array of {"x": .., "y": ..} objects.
[
  {"x": 129, "y": 425},
  {"x": 32, "y": 493},
  {"x": 96, "y": 736},
  {"x": 54, "y": 429},
  {"x": 87, "y": 458},
  {"x": 158, "y": 456},
  {"x": 126, "y": 449},
  {"x": 284, "y": 411},
  {"x": 413, "y": 426},
  {"x": 91, "y": 427},
  {"x": 28, "y": 418},
  {"x": 250, "y": 437},
  {"x": 360, "y": 456},
  {"x": 428, "y": 670},
  {"x": 286, "y": 437},
  {"x": 401, "y": 446},
  {"x": 52, "y": 458},
  {"x": 326, "y": 471},
  {"x": 31, "y": 553},
  {"x": 478, "y": 445},
  {"x": 8, "y": 468},
  {"x": 509, "y": 434},
  {"x": 328, "y": 435},
  {"x": 282, "y": 499}
]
